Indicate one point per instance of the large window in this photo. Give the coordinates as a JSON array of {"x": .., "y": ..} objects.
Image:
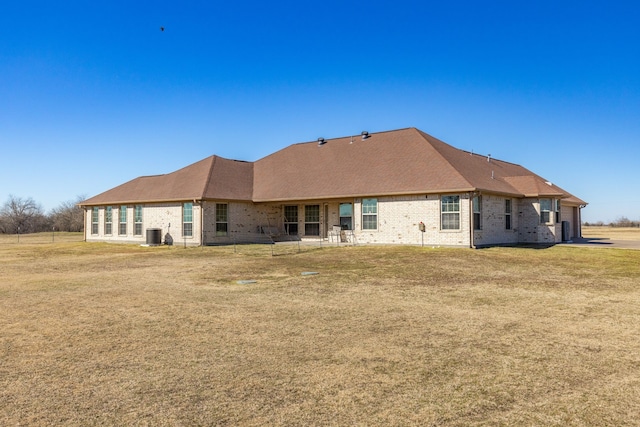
[
  {"x": 450, "y": 213},
  {"x": 291, "y": 220},
  {"x": 123, "y": 221},
  {"x": 187, "y": 220},
  {"x": 137, "y": 214},
  {"x": 222, "y": 219},
  {"x": 545, "y": 211},
  {"x": 95, "y": 217},
  {"x": 312, "y": 220},
  {"x": 369, "y": 214},
  {"x": 477, "y": 213},
  {"x": 507, "y": 214},
  {"x": 346, "y": 216},
  {"x": 108, "y": 220}
]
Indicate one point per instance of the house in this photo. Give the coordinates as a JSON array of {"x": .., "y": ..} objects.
[{"x": 402, "y": 186}]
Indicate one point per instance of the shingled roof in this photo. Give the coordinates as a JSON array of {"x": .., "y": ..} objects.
[
  {"x": 405, "y": 161},
  {"x": 211, "y": 178},
  {"x": 399, "y": 162}
]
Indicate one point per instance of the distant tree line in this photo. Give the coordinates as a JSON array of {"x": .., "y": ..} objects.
[
  {"x": 622, "y": 221},
  {"x": 23, "y": 216}
]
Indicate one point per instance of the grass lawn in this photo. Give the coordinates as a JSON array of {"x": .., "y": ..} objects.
[
  {"x": 613, "y": 233},
  {"x": 105, "y": 334}
]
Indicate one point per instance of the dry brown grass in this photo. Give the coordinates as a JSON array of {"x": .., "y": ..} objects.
[
  {"x": 98, "y": 334},
  {"x": 40, "y": 238},
  {"x": 613, "y": 233}
]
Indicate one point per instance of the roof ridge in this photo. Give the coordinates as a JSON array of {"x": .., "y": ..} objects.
[
  {"x": 356, "y": 134},
  {"x": 428, "y": 138},
  {"x": 208, "y": 180}
]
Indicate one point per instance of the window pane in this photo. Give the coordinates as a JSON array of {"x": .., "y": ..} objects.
[
  {"x": 312, "y": 213},
  {"x": 222, "y": 212},
  {"x": 450, "y": 203},
  {"x": 291, "y": 228},
  {"x": 346, "y": 209},
  {"x": 312, "y": 229},
  {"x": 369, "y": 222},
  {"x": 450, "y": 221},
  {"x": 138, "y": 213},
  {"x": 369, "y": 206},
  {"x": 545, "y": 204},
  {"x": 291, "y": 214},
  {"x": 187, "y": 212},
  {"x": 477, "y": 204}
]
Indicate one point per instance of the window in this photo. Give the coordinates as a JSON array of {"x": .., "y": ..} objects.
[
  {"x": 558, "y": 216},
  {"x": 312, "y": 220},
  {"x": 108, "y": 220},
  {"x": 137, "y": 214},
  {"x": 346, "y": 216},
  {"x": 291, "y": 220},
  {"x": 369, "y": 214},
  {"x": 545, "y": 211},
  {"x": 94, "y": 220},
  {"x": 450, "y": 212},
  {"x": 507, "y": 214},
  {"x": 222, "y": 219},
  {"x": 187, "y": 220},
  {"x": 123, "y": 221},
  {"x": 477, "y": 213}
]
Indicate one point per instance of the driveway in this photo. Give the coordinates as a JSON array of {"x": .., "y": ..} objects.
[{"x": 602, "y": 242}]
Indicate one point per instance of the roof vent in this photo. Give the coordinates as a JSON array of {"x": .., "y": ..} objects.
[
  {"x": 364, "y": 134},
  {"x": 488, "y": 157},
  {"x": 321, "y": 141}
]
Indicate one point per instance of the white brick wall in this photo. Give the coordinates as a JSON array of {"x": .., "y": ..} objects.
[
  {"x": 167, "y": 217},
  {"x": 398, "y": 222}
]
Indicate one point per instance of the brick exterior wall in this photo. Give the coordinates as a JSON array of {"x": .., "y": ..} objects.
[
  {"x": 165, "y": 216},
  {"x": 398, "y": 219},
  {"x": 494, "y": 222}
]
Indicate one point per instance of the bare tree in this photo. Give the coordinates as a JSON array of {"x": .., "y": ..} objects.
[
  {"x": 68, "y": 216},
  {"x": 19, "y": 215}
]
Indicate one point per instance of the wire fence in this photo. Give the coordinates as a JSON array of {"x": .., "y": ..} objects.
[
  {"x": 41, "y": 238},
  {"x": 248, "y": 243}
]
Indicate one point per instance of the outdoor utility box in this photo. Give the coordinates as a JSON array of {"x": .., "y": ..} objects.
[
  {"x": 154, "y": 236},
  {"x": 566, "y": 231},
  {"x": 421, "y": 227}
]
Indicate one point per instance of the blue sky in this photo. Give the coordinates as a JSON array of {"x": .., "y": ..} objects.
[{"x": 93, "y": 94}]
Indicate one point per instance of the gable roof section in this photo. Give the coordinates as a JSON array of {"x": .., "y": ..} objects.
[
  {"x": 386, "y": 163},
  {"x": 212, "y": 178},
  {"x": 497, "y": 176},
  {"x": 405, "y": 161}
]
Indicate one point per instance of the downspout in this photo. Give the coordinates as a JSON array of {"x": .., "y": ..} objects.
[
  {"x": 471, "y": 225},
  {"x": 201, "y": 222}
]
